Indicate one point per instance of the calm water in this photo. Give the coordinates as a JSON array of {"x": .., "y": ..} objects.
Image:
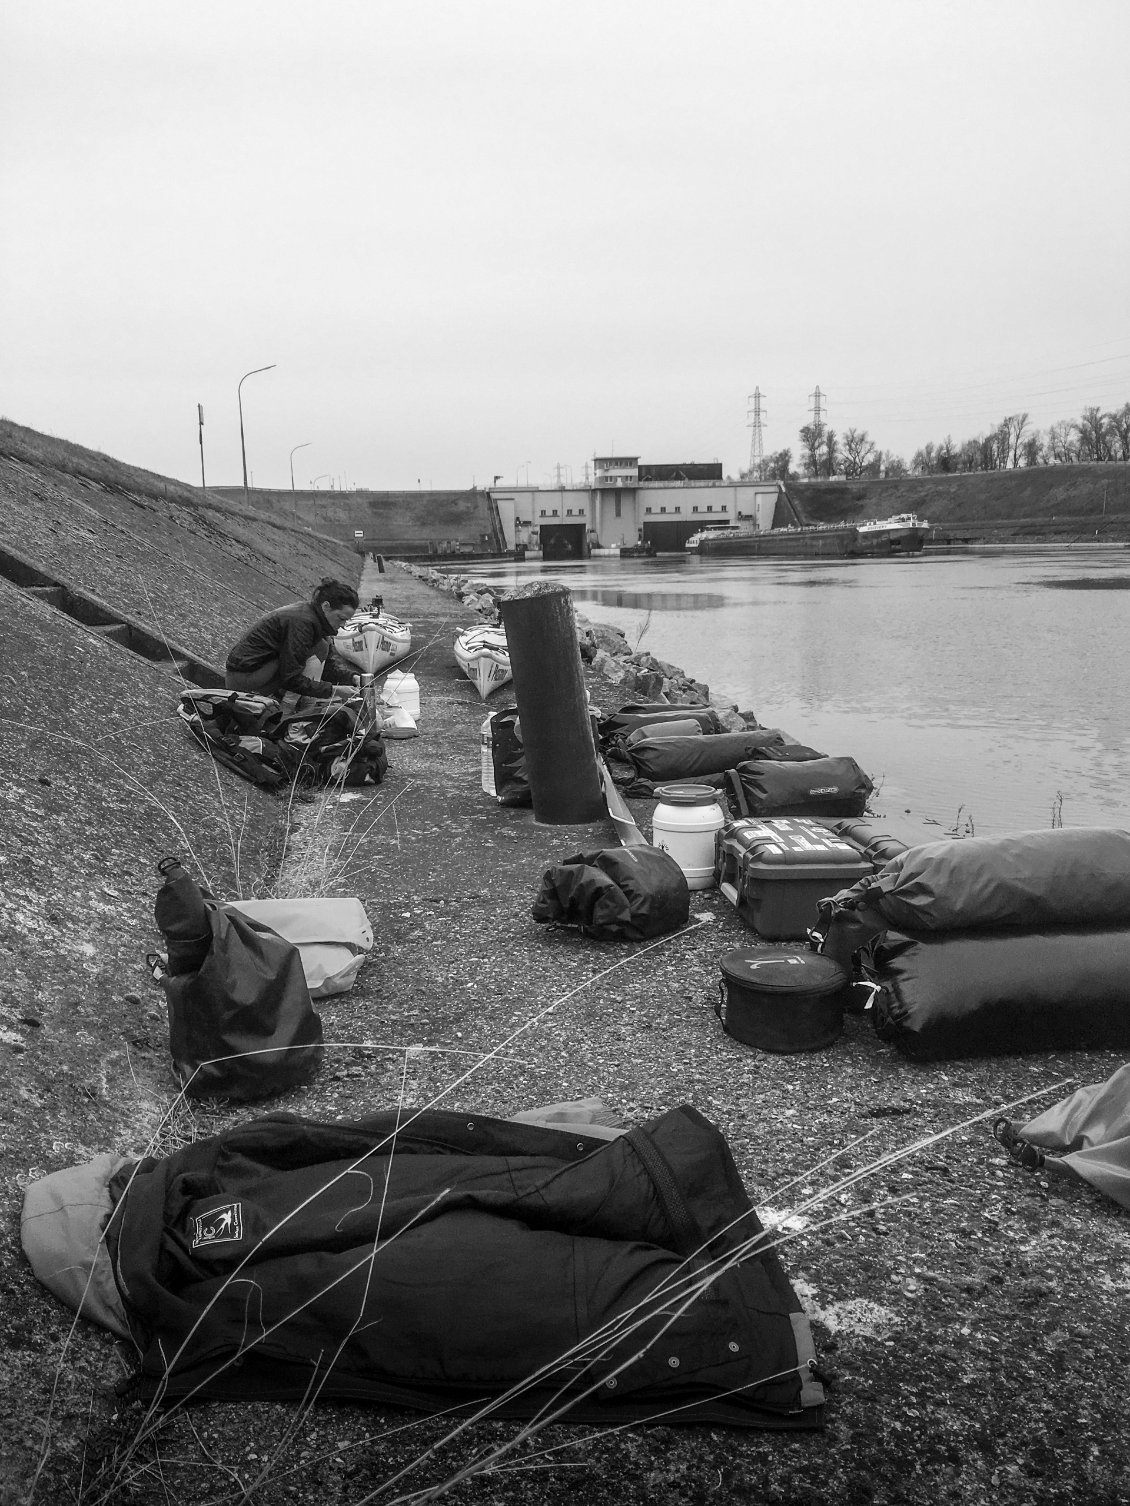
[{"x": 989, "y": 686}]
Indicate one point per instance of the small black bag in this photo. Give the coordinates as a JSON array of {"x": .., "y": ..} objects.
[
  {"x": 511, "y": 782},
  {"x": 616, "y": 894},
  {"x": 810, "y": 787},
  {"x": 241, "y": 1024}
]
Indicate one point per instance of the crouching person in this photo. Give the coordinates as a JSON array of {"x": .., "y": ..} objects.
[{"x": 286, "y": 651}]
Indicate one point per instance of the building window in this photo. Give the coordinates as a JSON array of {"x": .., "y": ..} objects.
[
  {"x": 695, "y": 508},
  {"x": 542, "y": 513},
  {"x": 553, "y": 514},
  {"x": 679, "y": 508},
  {"x": 619, "y": 506},
  {"x": 662, "y": 509},
  {"x": 647, "y": 509}
]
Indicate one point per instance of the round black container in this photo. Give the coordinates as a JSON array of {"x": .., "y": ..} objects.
[{"x": 782, "y": 1000}]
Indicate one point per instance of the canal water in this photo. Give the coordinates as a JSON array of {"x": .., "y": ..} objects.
[{"x": 983, "y": 691}]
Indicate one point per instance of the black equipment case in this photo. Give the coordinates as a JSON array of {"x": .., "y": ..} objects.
[{"x": 775, "y": 873}]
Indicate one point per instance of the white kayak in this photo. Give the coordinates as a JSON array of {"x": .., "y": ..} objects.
[
  {"x": 481, "y": 653},
  {"x": 371, "y": 641}
]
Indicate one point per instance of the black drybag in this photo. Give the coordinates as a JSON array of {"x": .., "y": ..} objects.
[
  {"x": 650, "y": 713},
  {"x": 616, "y": 894},
  {"x": 693, "y": 757},
  {"x": 241, "y": 1024},
  {"x": 511, "y": 782},
  {"x": 808, "y": 787}
]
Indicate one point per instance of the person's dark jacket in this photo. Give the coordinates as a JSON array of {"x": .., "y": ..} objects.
[
  {"x": 290, "y": 635},
  {"x": 437, "y": 1259}
]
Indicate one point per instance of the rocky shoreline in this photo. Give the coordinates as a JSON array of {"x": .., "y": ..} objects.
[{"x": 636, "y": 674}]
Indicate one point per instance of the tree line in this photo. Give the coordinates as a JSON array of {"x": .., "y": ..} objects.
[{"x": 1093, "y": 436}]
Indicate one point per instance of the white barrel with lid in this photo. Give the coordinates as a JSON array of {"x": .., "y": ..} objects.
[
  {"x": 684, "y": 824},
  {"x": 402, "y": 686}
]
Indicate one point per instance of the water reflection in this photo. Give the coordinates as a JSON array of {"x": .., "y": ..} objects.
[
  {"x": 651, "y": 601},
  {"x": 1099, "y": 583}
]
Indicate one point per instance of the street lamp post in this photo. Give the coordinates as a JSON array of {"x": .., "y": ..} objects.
[
  {"x": 239, "y": 399},
  {"x": 304, "y": 446}
]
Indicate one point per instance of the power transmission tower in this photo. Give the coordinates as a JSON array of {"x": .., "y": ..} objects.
[
  {"x": 819, "y": 399},
  {"x": 756, "y": 442}
]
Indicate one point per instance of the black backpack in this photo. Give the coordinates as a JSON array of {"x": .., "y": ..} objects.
[
  {"x": 329, "y": 745},
  {"x": 238, "y": 729},
  {"x": 248, "y": 733}
]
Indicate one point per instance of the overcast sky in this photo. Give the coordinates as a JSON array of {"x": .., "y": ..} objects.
[{"x": 497, "y": 237}]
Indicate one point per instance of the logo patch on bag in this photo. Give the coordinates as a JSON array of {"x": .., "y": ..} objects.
[{"x": 221, "y": 1226}]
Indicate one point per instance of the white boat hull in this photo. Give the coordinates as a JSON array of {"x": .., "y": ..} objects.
[
  {"x": 481, "y": 653},
  {"x": 371, "y": 642}
]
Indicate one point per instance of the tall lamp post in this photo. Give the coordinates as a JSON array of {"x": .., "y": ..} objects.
[
  {"x": 303, "y": 446},
  {"x": 239, "y": 399}
]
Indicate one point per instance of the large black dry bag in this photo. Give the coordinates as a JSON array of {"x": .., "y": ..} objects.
[
  {"x": 812, "y": 787},
  {"x": 651, "y": 713},
  {"x": 695, "y": 757},
  {"x": 241, "y": 1025},
  {"x": 616, "y": 894}
]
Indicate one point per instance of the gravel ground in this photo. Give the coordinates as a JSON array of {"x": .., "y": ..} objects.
[{"x": 969, "y": 1315}]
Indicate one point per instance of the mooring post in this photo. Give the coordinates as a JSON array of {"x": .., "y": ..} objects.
[{"x": 549, "y": 691}]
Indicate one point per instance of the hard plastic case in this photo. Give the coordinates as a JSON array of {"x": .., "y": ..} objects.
[{"x": 776, "y": 872}]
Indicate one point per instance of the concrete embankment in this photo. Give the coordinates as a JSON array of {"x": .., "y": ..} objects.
[{"x": 969, "y": 1321}]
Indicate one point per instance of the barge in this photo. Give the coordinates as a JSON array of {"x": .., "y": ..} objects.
[{"x": 876, "y": 539}]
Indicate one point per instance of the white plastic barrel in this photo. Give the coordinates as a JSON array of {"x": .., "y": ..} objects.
[
  {"x": 684, "y": 824},
  {"x": 486, "y": 750},
  {"x": 402, "y": 686}
]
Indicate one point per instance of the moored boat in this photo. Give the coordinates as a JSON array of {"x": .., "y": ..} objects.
[
  {"x": 371, "y": 641},
  {"x": 902, "y": 534},
  {"x": 483, "y": 656}
]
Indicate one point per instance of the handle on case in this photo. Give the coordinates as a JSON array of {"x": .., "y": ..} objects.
[{"x": 738, "y": 793}]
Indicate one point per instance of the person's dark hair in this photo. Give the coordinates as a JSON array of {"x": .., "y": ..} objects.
[{"x": 335, "y": 593}]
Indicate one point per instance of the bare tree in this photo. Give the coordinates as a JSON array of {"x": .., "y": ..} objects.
[
  {"x": 969, "y": 455},
  {"x": 1061, "y": 443},
  {"x": 923, "y": 463},
  {"x": 1119, "y": 425},
  {"x": 1017, "y": 423},
  {"x": 830, "y": 460},
  {"x": 1095, "y": 436},
  {"x": 1034, "y": 451},
  {"x": 812, "y": 438},
  {"x": 857, "y": 452},
  {"x": 893, "y": 466},
  {"x": 779, "y": 466}
]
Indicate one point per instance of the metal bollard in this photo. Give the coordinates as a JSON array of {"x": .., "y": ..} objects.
[{"x": 549, "y": 692}]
